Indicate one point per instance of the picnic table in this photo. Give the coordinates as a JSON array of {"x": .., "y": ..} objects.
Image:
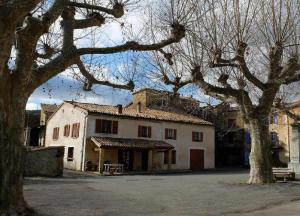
[
  {"x": 113, "y": 169},
  {"x": 283, "y": 173}
]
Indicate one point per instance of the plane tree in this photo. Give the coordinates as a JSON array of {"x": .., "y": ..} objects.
[
  {"x": 245, "y": 52},
  {"x": 27, "y": 61}
]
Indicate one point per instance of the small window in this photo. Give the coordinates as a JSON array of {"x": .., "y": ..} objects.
[
  {"x": 144, "y": 131},
  {"x": 75, "y": 130},
  {"x": 197, "y": 136},
  {"x": 106, "y": 126},
  {"x": 273, "y": 119},
  {"x": 231, "y": 123},
  {"x": 55, "y": 134},
  {"x": 67, "y": 130},
  {"x": 274, "y": 138},
  {"x": 166, "y": 157},
  {"x": 164, "y": 103},
  {"x": 70, "y": 154},
  {"x": 170, "y": 133}
]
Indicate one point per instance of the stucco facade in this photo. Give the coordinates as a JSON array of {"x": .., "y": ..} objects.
[
  {"x": 87, "y": 150},
  {"x": 67, "y": 114}
]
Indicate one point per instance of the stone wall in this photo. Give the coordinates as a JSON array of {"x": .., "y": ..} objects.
[{"x": 47, "y": 161}]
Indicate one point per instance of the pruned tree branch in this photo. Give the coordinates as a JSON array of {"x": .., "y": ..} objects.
[
  {"x": 240, "y": 57},
  {"x": 132, "y": 45},
  {"x": 209, "y": 88},
  {"x": 117, "y": 11},
  {"x": 92, "y": 80},
  {"x": 93, "y": 19}
]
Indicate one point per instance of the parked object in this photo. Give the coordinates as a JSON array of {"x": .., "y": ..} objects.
[
  {"x": 89, "y": 166},
  {"x": 284, "y": 173},
  {"x": 113, "y": 169},
  {"x": 44, "y": 161}
]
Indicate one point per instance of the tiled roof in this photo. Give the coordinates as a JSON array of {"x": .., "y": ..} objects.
[
  {"x": 146, "y": 113},
  {"x": 49, "y": 108},
  {"x": 108, "y": 142}
]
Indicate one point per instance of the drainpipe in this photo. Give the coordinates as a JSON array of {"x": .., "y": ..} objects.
[
  {"x": 289, "y": 144},
  {"x": 83, "y": 143}
]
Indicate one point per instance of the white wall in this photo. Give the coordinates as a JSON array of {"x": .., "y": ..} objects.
[
  {"x": 128, "y": 128},
  {"x": 67, "y": 114}
]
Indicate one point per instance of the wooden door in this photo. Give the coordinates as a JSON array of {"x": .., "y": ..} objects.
[
  {"x": 144, "y": 160},
  {"x": 196, "y": 159}
]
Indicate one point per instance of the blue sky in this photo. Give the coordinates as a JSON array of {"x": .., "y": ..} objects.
[
  {"x": 117, "y": 68},
  {"x": 61, "y": 88}
]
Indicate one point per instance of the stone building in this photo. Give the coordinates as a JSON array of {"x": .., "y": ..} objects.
[
  {"x": 163, "y": 100},
  {"x": 139, "y": 137},
  {"x": 233, "y": 141},
  {"x": 232, "y": 138},
  {"x": 46, "y": 111}
]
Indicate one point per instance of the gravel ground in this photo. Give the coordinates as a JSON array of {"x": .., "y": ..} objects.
[{"x": 210, "y": 193}]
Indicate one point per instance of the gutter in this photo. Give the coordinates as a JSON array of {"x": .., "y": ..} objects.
[{"x": 83, "y": 144}]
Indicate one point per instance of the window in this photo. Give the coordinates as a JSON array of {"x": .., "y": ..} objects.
[
  {"x": 173, "y": 156},
  {"x": 170, "y": 133},
  {"x": 70, "y": 154},
  {"x": 55, "y": 134},
  {"x": 231, "y": 123},
  {"x": 274, "y": 138},
  {"x": 164, "y": 103},
  {"x": 144, "y": 131},
  {"x": 106, "y": 126},
  {"x": 197, "y": 136},
  {"x": 75, "y": 130},
  {"x": 166, "y": 157},
  {"x": 67, "y": 130},
  {"x": 273, "y": 119}
]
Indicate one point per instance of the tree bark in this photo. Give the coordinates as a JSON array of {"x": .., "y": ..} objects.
[
  {"x": 12, "y": 108},
  {"x": 260, "y": 156}
]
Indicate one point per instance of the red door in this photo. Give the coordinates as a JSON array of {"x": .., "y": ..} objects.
[{"x": 196, "y": 159}]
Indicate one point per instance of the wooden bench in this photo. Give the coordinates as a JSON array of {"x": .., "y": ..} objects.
[{"x": 284, "y": 173}]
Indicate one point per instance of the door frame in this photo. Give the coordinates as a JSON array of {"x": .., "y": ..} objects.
[{"x": 196, "y": 148}]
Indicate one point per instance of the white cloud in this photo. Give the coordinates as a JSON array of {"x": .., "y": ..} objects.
[{"x": 33, "y": 106}]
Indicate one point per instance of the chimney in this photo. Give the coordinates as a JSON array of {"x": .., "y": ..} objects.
[
  {"x": 120, "y": 108},
  {"x": 139, "y": 107}
]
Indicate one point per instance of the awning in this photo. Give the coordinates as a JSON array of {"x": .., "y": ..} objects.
[
  {"x": 277, "y": 147},
  {"x": 126, "y": 143}
]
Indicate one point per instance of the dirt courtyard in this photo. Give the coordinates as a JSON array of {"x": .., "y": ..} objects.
[{"x": 209, "y": 193}]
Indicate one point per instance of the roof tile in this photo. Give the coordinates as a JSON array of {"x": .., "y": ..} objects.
[{"x": 145, "y": 113}]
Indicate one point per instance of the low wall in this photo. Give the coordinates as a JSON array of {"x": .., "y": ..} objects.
[{"x": 46, "y": 161}]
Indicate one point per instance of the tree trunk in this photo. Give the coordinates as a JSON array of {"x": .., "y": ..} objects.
[
  {"x": 12, "y": 109},
  {"x": 260, "y": 156}
]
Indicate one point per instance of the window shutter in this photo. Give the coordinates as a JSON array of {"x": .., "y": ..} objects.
[
  {"x": 72, "y": 131},
  {"x": 140, "y": 131},
  {"x": 57, "y": 133},
  {"x": 78, "y": 127},
  {"x": 53, "y": 133},
  {"x": 149, "y": 132},
  {"x": 193, "y": 136},
  {"x": 115, "y": 127},
  {"x": 166, "y": 133},
  {"x": 98, "y": 126},
  {"x": 175, "y": 134},
  {"x": 201, "y": 136}
]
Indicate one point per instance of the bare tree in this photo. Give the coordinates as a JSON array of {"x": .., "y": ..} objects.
[
  {"x": 28, "y": 58},
  {"x": 243, "y": 52}
]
